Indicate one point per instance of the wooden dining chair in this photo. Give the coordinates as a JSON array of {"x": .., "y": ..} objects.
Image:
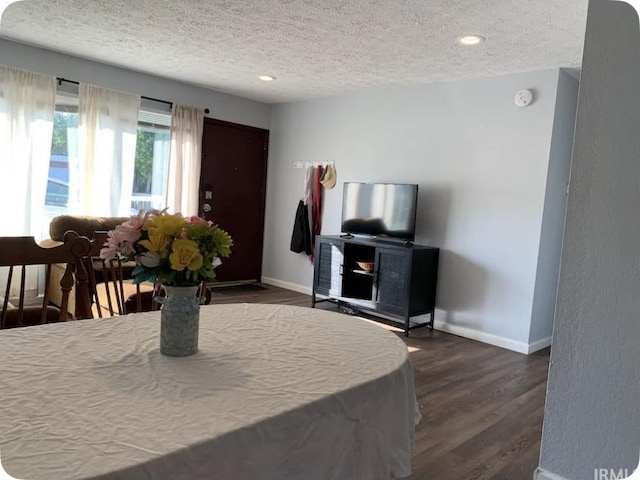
[
  {"x": 22, "y": 255},
  {"x": 110, "y": 285}
]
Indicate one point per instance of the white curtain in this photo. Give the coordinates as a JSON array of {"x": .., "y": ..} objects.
[
  {"x": 101, "y": 174},
  {"x": 187, "y": 124},
  {"x": 27, "y": 104}
]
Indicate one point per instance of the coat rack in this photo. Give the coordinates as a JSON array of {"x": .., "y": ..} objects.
[{"x": 311, "y": 164}]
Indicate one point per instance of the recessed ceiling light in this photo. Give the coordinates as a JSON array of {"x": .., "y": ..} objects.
[
  {"x": 470, "y": 40},
  {"x": 266, "y": 78}
]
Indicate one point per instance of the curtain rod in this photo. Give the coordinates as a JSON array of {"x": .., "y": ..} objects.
[{"x": 60, "y": 80}]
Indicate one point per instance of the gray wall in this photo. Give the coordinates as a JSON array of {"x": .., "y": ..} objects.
[
  {"x": 222, "y": 106},
  {"x": 555, "y": 201},
  {"x": 480, "y": 161},
  {"x": 593, "y": 398}
]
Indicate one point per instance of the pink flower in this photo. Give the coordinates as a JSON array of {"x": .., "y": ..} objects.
[
  {"x": 139, "y": 221},
  {"x": 194, "y": 220},
  {"x": 108, "y": 252},
  {"x": 111, "y": 246},
  {"x": 116, "y": 243},
  {"x": 130, "y": 231}
]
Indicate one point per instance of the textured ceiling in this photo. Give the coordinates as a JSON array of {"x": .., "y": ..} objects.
[{"x": 314, "y": 47}]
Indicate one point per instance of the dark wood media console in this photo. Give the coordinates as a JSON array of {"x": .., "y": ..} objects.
[{"x": 401, "y": 285}]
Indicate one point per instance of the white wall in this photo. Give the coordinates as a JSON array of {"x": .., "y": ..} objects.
[
  {"x": 481, "y": 164},
  {"x": 222, "y": 106},
  {"x": 592, "y": 413},
  {"x": 546, "y": 287}
]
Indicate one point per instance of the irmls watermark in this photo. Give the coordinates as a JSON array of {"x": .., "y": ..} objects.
[{"x": 612, "y": 474}]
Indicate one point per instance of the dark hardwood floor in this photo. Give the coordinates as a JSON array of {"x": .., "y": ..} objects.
[{"x": 482, "y": 406}]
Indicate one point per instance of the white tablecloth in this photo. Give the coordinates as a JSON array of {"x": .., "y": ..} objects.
[{"x": 275, "y": 392}]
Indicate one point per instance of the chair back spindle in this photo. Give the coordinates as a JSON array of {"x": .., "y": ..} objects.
[{"x": 19, "y": 253}]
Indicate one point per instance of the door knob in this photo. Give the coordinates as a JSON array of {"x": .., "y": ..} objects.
[{"x": 206, "y": 208}]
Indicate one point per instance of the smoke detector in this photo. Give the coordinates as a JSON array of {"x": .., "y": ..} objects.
[{"x": 523, "y": 98}]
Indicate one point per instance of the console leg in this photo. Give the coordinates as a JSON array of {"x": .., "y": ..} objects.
[
  {"x": 406, "y": 326},
  {"x": 313, "y": 300},
  {"x": 433, "y": 314}
]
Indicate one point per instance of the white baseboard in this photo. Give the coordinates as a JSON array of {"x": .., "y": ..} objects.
[
  {"x": 483, "y": 337},
  {"x": 289, "y": 286},
  {"x": 502, "y": 342},
  {"x": 541, "y": 474},
  {"x": 539, "y": 345}
]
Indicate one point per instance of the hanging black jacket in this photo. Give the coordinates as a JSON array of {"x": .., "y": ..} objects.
[{"x": 301, "y": 236}]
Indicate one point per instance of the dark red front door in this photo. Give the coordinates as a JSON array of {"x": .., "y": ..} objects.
[{"x": 234, "y": 171}]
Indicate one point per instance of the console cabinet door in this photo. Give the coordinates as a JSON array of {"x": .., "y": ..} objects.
[
  {"x": 329, "y": 263},
  {"x": 391, "y": 287}
]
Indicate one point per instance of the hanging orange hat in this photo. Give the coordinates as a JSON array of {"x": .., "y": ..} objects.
[{"x": 329, "y": 178}]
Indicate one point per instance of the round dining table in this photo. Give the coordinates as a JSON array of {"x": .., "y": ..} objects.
[{"x": 274, "y": 392}]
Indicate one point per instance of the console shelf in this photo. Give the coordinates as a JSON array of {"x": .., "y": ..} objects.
[
  {"x": 402, "y": 284},
  {"x": 362, "y": 272}
]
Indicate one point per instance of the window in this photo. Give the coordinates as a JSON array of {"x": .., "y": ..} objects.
[
  {"x": 65, "y": 131},
  {"x": 151, "y": 163}
]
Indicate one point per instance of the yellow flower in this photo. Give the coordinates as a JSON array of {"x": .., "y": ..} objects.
[
  {"x": 185, "y": 254},
  {"x": 157, "y": 241},
  {"x": 170, "y": 225}
]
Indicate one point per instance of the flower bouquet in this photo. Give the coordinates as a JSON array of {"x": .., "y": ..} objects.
[
  {"x": 169, "y": 249},
  {"x": 179, "y": 253}
]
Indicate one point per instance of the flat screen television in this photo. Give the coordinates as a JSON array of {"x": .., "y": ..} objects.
[{"x": 380, "y": 209}]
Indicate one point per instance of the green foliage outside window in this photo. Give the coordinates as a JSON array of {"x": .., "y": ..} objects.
[
  {"x": 62, "y": 121},
  {"x": 144, "y": 149},
  {"x": 144, "y": 161}
]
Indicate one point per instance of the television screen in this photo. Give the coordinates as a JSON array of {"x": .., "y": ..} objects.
[{"x": 380, "y": 209}]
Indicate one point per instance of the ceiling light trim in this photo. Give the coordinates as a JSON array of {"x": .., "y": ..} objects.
[{"x": 470, "y": 40}]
